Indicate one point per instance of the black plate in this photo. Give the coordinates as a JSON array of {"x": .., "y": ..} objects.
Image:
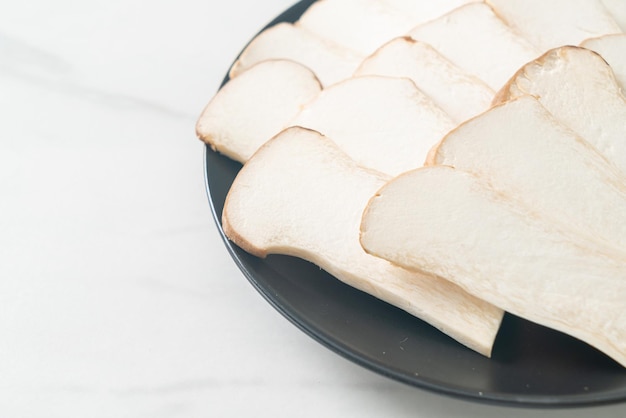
[{"x": 531, "y": 365}]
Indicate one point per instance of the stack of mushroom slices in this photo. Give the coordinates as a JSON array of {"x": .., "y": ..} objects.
[{"x": 462, "y": 160}]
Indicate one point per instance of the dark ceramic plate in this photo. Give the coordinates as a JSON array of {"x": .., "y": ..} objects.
[{"x": 531, "y": 365}]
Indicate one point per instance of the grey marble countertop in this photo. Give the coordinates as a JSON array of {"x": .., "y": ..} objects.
[{"x": 117, "y": 296}]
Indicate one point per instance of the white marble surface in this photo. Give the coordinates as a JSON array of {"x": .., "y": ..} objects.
[{"x": 117, "y": 297}]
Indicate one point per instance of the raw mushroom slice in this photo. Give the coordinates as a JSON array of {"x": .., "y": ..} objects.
[
  {"x": 479, "y": 42},
  {"x": 328, "y": 60},
  {"x": 421, "y": 11},
  {"x": 525, "y": 152},
  {"x": 384, "y": 123},
  {"x": 459, "y": 94},
  {"x": 613, "y": 49},
  {"x": 555, "y": 23},
  {"x": 579, "y": 88},
  {"x": 617, "y": 8},
  {"x": 506, "y": 254},
  {"x": 360, "y": 25},
  {"x": 300, "y": 195},
  {"x": 256, "y": 105}
]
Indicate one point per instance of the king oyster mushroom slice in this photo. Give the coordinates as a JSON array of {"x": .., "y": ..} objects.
[
  {"x": 579, "y": 88},
  {"x": 617, "y": 8},
  {"x": 613, "y": 49},
  {"x": 300, "y": 195},
  {"x": 555, "y": 23},
  {"x": 420, "y": 11},
  {"x": 474, "y": 38},
  {"x": 524, "y": 151},
  {"x": 360, "y": 25},
  {"x": 384, "y": 123},
  {"x": 460, "y": 94},
  {"x": 328, "y": 60},
  {"x": 501, "y": 252},
  {"x": 256, "y": 105}
]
